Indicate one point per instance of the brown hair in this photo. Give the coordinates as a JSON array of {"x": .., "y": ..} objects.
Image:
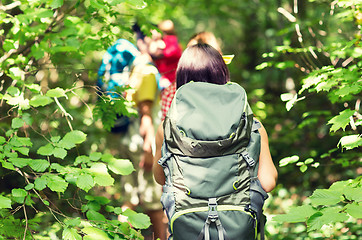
[{"x": 201, "y": 63}]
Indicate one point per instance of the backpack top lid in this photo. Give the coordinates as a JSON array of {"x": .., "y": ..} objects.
[{"x": 208, "y": 119}]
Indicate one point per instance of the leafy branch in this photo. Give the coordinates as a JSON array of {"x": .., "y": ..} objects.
[{"x": 341, "y": 82}]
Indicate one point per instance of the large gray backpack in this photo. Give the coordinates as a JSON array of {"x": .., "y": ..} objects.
[{"x": 210, "y": 159}]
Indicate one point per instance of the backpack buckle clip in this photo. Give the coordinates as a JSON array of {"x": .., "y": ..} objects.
[
  {"x": 213, "y": 216},
  {"x": 248, "y": 159}
]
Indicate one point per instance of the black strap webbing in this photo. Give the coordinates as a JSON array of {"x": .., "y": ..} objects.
[{"x": 212, "y": 218}]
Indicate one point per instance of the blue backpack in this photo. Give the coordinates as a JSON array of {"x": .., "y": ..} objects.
[
  {"x": 114, "y": 72},
  {"x": 210, "y": 159}
]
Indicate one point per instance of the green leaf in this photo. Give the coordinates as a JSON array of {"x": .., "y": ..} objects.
[
  {"x": 19, "y": 194},
  {"x": 2, "y": 140},
  {"x": 10, "y": 154},
  {"x": 296, "y": 214},
  {"x": 57, "y": 167},
  {"x": 76, "y": 136},
  {"x": 13, "y": 91},
  {"x": 102, "y": 200},
  {"x": 137, "y": 220},
  {"x": 8, "y": 44},
  {"x": 348, "y": 89},
  {"x": 22, "y": 150},
  {"x": 42, "y": 13},
  {"x": 121, "y": 166},
  {"x": 37, "y": 51},
  {"x": 46, "y": 150},
  {"x": 81, "y": 159},
  {"x": 118, "y": 210},
  {"x": 33, "y": 87},
  {"x": 17, "y": 123},
  {"x": 342, "y": 120},
  {"x": 326, "y": 85},
  {"x": 24, "y": 141},
  {"x": 20, "y": 162},
  {"x": 353, "y": 193},
  {"x": 284, "y": 65},
  {"x": 93, "y": 205},
  {"x": 303, "y": 168},
  {"x": 60, "y": 153},
  {"x": 5, "y": 202},
  {"x": 101, "y": 175},
  {"x": 14, "y": 142},
  {"x": 291, "y": 102},
  {"x": 95, "y": 156},
  {"x": 40, "y": 100},
  {"x": 95, "y": 216},
  {"x": 107, "y": 157},
  {"x": 72, "y": 138},
  {"x": 288, "y": 160},
  {"x": 325, "y": 197},
  {"x": 104, "y": 180},
  {"x": 93, "y": 233},
  {"x": 29, "y": 186},
  {"x": 85, "y": 182},
  {"x": 39, "y": 165},
  {"x": 56, "y": 183},
  {"x": 96, "y": 4},
  {"x": 326, "y": 216},
  {"x": 109, "y": 208},
  {"x": 73, "y": 222},
  {"x": 55, "y": 139},
  {"x": 71, "y": 234},
  {"x": 58, "y": 49},
  {"x": 40, "y": 183},
  {"x": 15, "y": 73},
  {"x": 57, "y": 92},
  {"x": 355, "y": 210},
  {"x": 309, "y": 161},
  {"x": 7, "y": 165},
  {"x": 263, "y": 65},
  {"x": 314, "y": 221},
  {"x": 56, "y": 4},
  {"x": 339, "y": 186},
  {"x": 287, "y": 96},
  {"x": 351, "y": 141},
  {"x": 27, "y": 118}
]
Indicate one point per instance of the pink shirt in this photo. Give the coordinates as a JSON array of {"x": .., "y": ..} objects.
[{"x": 171, "y": 54}]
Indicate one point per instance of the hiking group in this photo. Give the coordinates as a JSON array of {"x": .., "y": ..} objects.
[{"x": 207, "y": 166}]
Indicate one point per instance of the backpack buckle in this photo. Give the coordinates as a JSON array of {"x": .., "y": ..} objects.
[
  {"x": 213, "y": 216},
  {"x": 248, "y": 159}
]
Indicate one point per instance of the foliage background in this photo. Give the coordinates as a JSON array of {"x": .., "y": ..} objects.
[{"x": 299, "y": 61}]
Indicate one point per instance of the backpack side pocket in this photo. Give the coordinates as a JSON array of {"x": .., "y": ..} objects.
[{"x": 257, "y": 197}]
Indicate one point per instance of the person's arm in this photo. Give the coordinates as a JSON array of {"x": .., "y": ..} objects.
[
  {"x": 267, "y": 173},
  {"x": 147, "y": 133},
  {"x": 144, "y": 97},
  {"x": 158, "y": 173}
]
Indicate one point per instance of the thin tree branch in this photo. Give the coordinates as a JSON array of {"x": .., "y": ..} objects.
[
  {"x": 26, "y": 221},
  {"x": 287, "y": 14},
  {"x": 10, "y": 6}
]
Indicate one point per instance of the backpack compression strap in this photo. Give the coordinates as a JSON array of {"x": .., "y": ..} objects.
[{"x": 212, "y": 218}]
